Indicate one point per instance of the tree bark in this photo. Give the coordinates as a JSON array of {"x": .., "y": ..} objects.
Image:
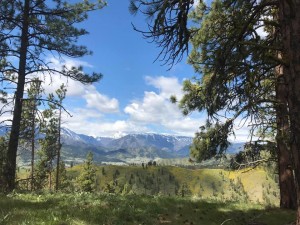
[
  {"x": 290, "y": 28},
  {"x": 286, "y": 177},
  {"x": 10, "y": 170}
]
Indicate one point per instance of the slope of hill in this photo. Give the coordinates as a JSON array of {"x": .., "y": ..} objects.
[{"x": 257, "y": 185}]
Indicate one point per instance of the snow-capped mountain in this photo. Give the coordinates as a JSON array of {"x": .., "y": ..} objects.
[
  {"x": 166, "y": 143},
  {"x": 128, "y": 146},
  {"x": 125, "y": 149},
  {"x": 70, "y": 138}
]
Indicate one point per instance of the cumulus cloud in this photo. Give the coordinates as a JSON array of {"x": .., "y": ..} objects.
[
  {"x": 90, "y": 94},
  {"x": 153, "y": 108},
  {"x": 89, "y": 122},
  {"x": 167, "y": 86},
  {"x": 156, "y": 108},
  {"x": 153, "y": 111},
  {"x": 53, "y": 82},
  {"x": 100, "y": 102}
]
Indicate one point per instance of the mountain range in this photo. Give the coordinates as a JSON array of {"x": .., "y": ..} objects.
[
  {"x": 127, "y": 149},
  {"x": 130, "y": 148}
]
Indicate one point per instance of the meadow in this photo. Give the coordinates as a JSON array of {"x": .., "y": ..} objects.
[
  {"x": 129, "y": 195},
  {"x": 116, "y": 209}
]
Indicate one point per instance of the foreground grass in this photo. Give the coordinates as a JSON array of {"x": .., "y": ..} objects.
[{"x": 107, "y": 209}]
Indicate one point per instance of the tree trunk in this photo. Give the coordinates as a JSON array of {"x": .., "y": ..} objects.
[
  {"x": 10, "y": 170},
  {"x": 58, "y": 151},
  {"x": 286, "y": 177},
  {"x": 290, "y": 28}
]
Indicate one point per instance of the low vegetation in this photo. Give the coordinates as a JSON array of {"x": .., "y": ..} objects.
[
  {"x": 141, "y": 194},
  {"x": 115, "y": 209}
]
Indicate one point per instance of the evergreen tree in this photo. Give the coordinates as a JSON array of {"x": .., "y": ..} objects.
[
  {"x": 50, "y": 144},
  {"x": 87, "y": 179},
  {"x": 29, "y": 30},
  {"x": 62, "y": 179},
  {"x": 61, "y": 94},
  {"x": 239, "y": 68},
  {"x": 30, "y": 127},
  {"x": 289, "y": 22},
  {"x": 41, "y": 170}
]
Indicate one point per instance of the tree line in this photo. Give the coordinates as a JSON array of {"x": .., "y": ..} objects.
[{"x": 244, "y": 76}]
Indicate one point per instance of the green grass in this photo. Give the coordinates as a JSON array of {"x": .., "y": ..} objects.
[
  {"x": 113, "y": 209},
  {"x": 209, "y": 184}
]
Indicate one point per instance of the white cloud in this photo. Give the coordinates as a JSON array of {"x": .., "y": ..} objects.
[
  {"x": 153, "y": 111},
  {"x": 100, "y": 102},
  {"x": 87, "y": 121},
  {"x": 6, "y": 109},
  {"x": 153, "y": 108},
  {"x": 156, "y": 108},
  {"x": 167, "y": 86},
  {"x": 93, "y": 98},
  {"x": 53, "y": 82}
]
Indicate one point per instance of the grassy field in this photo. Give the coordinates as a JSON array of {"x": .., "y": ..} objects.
[
  {"x": 257, "y": 185},
  {"x": 154, "y": 195},
  {"x": 115, "y": 209}
]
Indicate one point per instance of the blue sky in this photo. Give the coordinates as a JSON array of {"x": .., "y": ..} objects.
[{"x": 133, "y": 96}]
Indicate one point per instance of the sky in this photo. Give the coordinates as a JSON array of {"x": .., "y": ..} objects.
[{"x": 134, "y": 94}]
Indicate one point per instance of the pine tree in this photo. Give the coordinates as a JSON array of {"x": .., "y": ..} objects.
[
  {"x": 50, "y": 144},
  {"x": 289, "y": 22},
  {"x": 239, "y": 68},
  {"x": 62, "y": 179},
  {"x": 87, "y": 178},
  {"x": 30, "y": 123},
  {"x": 61, "y": 94},
  {"x": 39, "y": 27}
]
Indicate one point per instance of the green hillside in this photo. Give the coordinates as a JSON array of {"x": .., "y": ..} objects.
[
  {"x": 129, "y": 195},
  {"x": 255, "y": 185}
]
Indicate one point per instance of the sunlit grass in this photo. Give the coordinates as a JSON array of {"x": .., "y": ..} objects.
[{"x": 84, "y": 208}]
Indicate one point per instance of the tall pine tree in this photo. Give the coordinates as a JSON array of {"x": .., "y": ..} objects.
[
  {"x": 29, "y": 30},
  {"x": 50, "y": 144},
  {"x": 30, "y": 123},
  {"x": 238, "y": 66}
]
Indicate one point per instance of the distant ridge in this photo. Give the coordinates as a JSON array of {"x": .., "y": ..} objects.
[{"x": 139, "y": 146}]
